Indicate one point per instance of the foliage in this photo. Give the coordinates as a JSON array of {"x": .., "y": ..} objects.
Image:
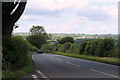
[
  {"x": 66, "y": 39},
  {"x": 55, "y": 47},
  {"x": 82, "y": 47},
  {"x": 38, "y": 36},
  {"x": 15, "y": 52},
  {"x": 37, "y": 40},
  {"x": 18, "y": 73},
  {"x": 98, "y": 47},
  {"x": 65, "y": 47},
  {"x": 37, "y": 30},
  {"x": 46, "y": 48},
  {"x": 87, "y": 48},
  {"x": 74, "y": 48}
]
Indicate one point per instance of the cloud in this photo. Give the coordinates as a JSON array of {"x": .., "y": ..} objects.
[
  {"x": 61, "y": 29},
  {"x": 94, "y": 15},
  {"x": 52, "y": 5},
  {"x": 43, "y": 12},
  {"x": 111, "y": 11},
  {"x": 30, "y": 17},
  {"x": 80, "y": 19},
  {"x": 94, "y": 7}
]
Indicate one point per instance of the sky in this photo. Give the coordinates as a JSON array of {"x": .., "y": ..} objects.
[{"x": 71, "y": 16}]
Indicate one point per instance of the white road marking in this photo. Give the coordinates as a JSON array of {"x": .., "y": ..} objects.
[
  {"x": 73, "y": 64},
  {"x": 58, "y": 59},
  {"x": 68, "y": 63},
  {"x": 104, "y": 73},
  {"x": 34, "y": 76},
  {"x": 77, "y": 65},
  {"x": 42, "y": 74}
]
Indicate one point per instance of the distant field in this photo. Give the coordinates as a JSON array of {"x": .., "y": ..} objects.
[{"x": 78, "y": 37}]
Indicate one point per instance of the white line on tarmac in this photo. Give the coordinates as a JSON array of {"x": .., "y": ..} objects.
[
  {"x": 58, "y": 59},
  {"x": 34, "y": 76},
  {"x": 73, "y": 64},
  {"x": 104, "y": 73},
  {"x": 42, "y": 74}
]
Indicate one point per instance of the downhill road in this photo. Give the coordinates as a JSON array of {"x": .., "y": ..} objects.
[{"x": 58, "y": 66}]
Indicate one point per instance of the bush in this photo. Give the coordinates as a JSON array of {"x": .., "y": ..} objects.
[
  {"x": 74, "y": 48},
  {"x": 15, "y": 52},
  {"x": 37, "y": 40},
  {"x": 46, "y": 48},
  {"x": 65, "y": 40},
  {"x": 98, "y": 47},
  {"x": 87, "y": 48},
  {"x": 64, "y": 48},
  {"x": 82, "y": 47},
  {"x": 55, "y": 47}
]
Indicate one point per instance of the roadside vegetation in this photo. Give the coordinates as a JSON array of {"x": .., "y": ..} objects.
[
  {"x": 17, "y": 57},
  {"x": 17, "y": 52}
]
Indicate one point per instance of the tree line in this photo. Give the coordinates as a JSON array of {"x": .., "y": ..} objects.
[{"x": 97, "y": 47}]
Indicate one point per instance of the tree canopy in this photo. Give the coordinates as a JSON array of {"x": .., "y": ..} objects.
[
  {"x": 37, "y": 30},
  {"x": 66, "y": 39},
  {"x": 38, "y": 36}
]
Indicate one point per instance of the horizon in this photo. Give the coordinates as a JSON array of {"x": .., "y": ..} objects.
[{"x": 68, "y": 33}]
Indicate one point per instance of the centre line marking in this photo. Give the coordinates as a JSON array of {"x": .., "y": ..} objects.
[
  {"x": 104, "y": 73},
  {"x": 77, "y": 65},
  {"x": 59, "y": 59},
  {"x": 73, "y": 64}
]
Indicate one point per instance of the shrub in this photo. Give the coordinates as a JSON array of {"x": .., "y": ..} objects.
[
  {"x": 46, "y": 48},
  {"x": 73, "y": 49},
  {"x": 15, "y": 51},
  {"x": 55, "y": 47},
  {"x": 82, "y": 47},
  {"x": 64, "y": 48},
  {"x": 65, "y": 40},
  {"x": 87, "y": 48},
  {"x": 98, "y": 47}
]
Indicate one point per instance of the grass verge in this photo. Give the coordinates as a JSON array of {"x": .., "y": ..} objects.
[
  {"x": 108, "y": 60},
  {"x": 19, "y": 73}
]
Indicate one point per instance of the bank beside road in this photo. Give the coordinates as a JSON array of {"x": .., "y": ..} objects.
[{"x": 108, "y": 60}]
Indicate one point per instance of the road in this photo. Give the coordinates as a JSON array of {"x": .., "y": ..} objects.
[{"x": 57, "y": 66}]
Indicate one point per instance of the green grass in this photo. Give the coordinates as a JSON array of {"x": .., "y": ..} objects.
[
  {"x": 22, "y": 72},
  {"x": 108, "y": 60}
]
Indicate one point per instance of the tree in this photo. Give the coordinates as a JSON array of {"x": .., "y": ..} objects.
[
  {"x": 36, "y": 30},
  {"x": 87, "y": 48},
  {"x": 55, "y": 47},
  {"x": 65, "y": 47},
  {"x": 46, "y": 48},
  {"x": 74, "y": 48},
  {"x": 82, "y": 47},
  {"x": 66, "y": 39},
  {"x": 37, "y": 36},
  {"x": 11, "y": 12}
]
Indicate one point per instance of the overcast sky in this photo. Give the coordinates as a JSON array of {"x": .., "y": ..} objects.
[{"x": 71, "y": 16}]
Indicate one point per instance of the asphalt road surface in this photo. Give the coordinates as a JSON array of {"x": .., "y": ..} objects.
[{"x": 57, "y": 66}]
